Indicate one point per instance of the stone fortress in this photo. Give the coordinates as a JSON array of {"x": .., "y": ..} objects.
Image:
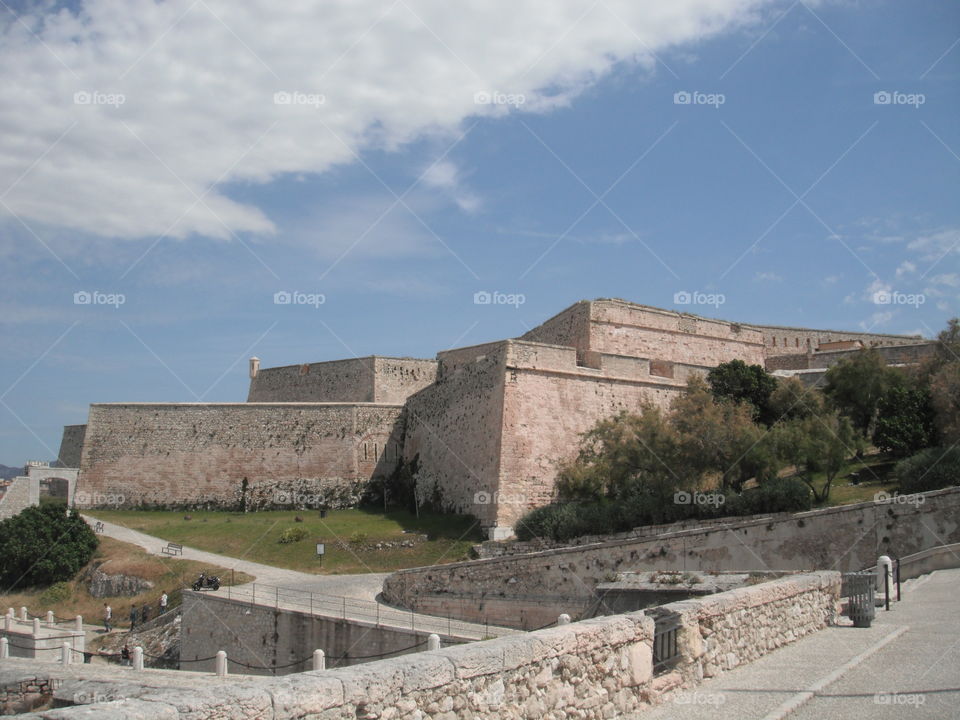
[{"x": 482, "y": 427}]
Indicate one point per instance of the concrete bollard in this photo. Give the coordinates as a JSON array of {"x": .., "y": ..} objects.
[
  {"x": 65, "y": 652},
  {"x": 4, "y": 648},
  {"x": 8, "y": 622},
  {"x": 23, "y": 614},
  {"x": 563, "y": 619},
  {"x": 319, "y": 660},
  {"x": 433, "y": 642},
  {"x": 50, "y": 620},
  {"x": 78, "y": 623},
  {"x": 221, "y": 663},
  {"x": 36, "y": 626},
  {"x": 884, "y": 563},
  {"x": 137, "y": 656},
  {"x": 11, "y": 613}
]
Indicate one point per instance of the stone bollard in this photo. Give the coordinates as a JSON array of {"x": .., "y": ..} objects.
[
  {"x": 8, "y": 622},
  {"x": 564, "y": 619},
  {"x": 11, "y": 613},
  {"x": 23, "y": 614},
  {"x": 319, "y": 660},
  {"x": 36, "y": 626},
  {"x": 137, "y": 656},
  {"x": 65, "y": 652},
  {"x": 884, "y": 563},
  {"x": 78, "y": 622},
  {"x": 433, "y": 642},
  {"x": 4, "y": 648},
  {"x": 221, "y": 663},
  {"x": 50, "y": 620}
]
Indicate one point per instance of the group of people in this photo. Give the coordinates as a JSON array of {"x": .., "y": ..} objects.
[{"x": 137, "y": 615}]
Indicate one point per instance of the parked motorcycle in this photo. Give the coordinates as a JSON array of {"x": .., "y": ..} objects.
[{"x": 205, "y": 582}]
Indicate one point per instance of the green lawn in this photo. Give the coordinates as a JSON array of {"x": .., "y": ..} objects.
[
  {"x": 872, "y": 474},
  {"x": 255, "y": 536}
]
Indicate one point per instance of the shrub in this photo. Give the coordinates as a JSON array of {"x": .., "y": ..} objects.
[
  {"x": 358, "y": 538},
  {"x": 772, "y": 496},
  {"x": 55, "y": 594},
  {"x": 43, "y": 545},
  {"x": 930, "y": 469},
  {"x": 293, "y": 534}
]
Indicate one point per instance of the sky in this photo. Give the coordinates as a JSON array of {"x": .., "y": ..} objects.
[{"x": 185, "y": 184}]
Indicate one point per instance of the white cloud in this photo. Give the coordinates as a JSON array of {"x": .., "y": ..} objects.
[
  {"x": 198, "y": 81},
  {"x": 767, "y": 277},
  {"x": 905, "y": 268},
  {"x": 445, "y": 176}
]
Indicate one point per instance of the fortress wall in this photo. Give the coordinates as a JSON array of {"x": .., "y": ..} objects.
[
  {"x": 71, "y": 446},
  {"x": 189, "y": 454},
  {"x": 548, "y": 405},
  {"x": 791, "y": 341},
  {"x": 396, "y": 379},
  {"x": 454, "y": 428},
  {"x": 335, "y": 381},
  {"x": 912, "y": 354},
  {"x": 619, "y": 328},
  {"x": 570, "y": 327},
  {"x": 451, "y": 360}
]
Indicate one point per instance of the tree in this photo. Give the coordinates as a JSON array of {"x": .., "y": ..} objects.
[
  {"x": 792, "y": 399},
  {"x": 818, "y": 446},
  {"x": 741, "y": 383},
  {"x": 44, "y": 544},
  {"x": 905, "y": 420},
  {"x": 943, "y": 371},
  {"x": 855, "y": 386}
]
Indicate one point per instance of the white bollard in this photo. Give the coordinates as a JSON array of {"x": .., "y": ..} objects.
[
  {"x": 8, "y": 622},
  {"x": 563, "y": 619},
  {"x": 221, "y": 663},
  {"x": 319, "y": 660},
  {"x": 50, "y": 617},
  {"x": 79, "y": 623},
  {"x": 36, "y": 626},
  {"x": 884, "y": 563},
  {"x": 23, "y": 614},
  {"x": 11, "y": 613},
  {"x": 65, "y": 653},
  {"x": 433, "y": 641},
  {"x": 137, "y": 658},
  {"x": 4, "y": 648}
]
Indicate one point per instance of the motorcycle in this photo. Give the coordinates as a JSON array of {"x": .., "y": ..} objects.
[{"x": 206, "y": 581}]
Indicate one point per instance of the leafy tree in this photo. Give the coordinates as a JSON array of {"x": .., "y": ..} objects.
[
  {"x": 43, "y": 545},
  {"x": 792, "y": 399},
  {"x": 945, "y": 398},
  {"x": 855, "y": 386},
  {"x": 929, "y": 469},
  {"x": 818, "y": 446},
  {"x": 739, "y": 382},
  {"x": 905, "y": 420}
]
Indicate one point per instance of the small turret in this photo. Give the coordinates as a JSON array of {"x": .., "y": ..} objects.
[{"x": 254, "y": 367}]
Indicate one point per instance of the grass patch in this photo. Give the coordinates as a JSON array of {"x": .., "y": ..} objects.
[
  {"x": 860, "y": 480},
  {"x": 69, "y": 599},
  {"x": 347, "y": 534}
]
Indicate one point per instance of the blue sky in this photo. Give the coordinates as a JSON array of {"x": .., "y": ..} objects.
[{"x": 787, "y": 190}]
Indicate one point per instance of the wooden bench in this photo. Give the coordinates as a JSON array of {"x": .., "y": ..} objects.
[{"x": 172, "y": 548}]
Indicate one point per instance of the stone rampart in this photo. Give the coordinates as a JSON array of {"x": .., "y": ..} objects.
[
  {"x": 594, "y": 669},
  {"x": 894, "y": 355},
  {"x": 780, "y": 340},
  {"x": 236, "y": 455},
  {"x": 71, "y": 446},
  {"x": 20, "y": 493}
]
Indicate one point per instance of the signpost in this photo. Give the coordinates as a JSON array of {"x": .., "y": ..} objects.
[{"x": 320, "y": 552}]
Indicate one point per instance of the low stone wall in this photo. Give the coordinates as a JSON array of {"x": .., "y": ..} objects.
[
  {"x": 591, "y": 669},
  {"x": 21, "y": 493}
]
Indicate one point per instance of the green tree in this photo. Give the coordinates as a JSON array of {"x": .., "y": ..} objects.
[
  {"x": 792, "y": 399},
  {"x": 818, "y": 446},
  {"x": 856, "y": 385},
  {"x": 43, "y": 545},
  {"x": 741, "y": 383},
  {"x": 905, "y": 420}
]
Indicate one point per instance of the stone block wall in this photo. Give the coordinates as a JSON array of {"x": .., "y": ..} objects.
[
  {"x": 21, "y": 493},
  {"x": 910, "y": 354},
  {"x": 250, "y": 454},
  {"x": 780, "y": 340},
  {"x": 71, "y": 446}
]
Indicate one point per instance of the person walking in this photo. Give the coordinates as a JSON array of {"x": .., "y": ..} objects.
[
  {"x": 163, "y": 602},
  {"x": 107, "y": 617},
  {"x": 145, "y": 614}
]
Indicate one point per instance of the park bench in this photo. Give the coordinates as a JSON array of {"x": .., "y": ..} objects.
[{"x": 172, "y": 548}]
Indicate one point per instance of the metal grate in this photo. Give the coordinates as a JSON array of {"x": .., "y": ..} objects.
[{"x": 666, "y": 650}]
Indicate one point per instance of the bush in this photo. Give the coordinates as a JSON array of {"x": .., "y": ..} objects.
[
  {"x": 772, "y": 496},
  {"x": 43, "y": 545},
  {"x": 930, "y": 469},
  {"x": 55, "y": 594},
  {"x": 358, "y": 538},
  {"x": 293, "y": 534}
]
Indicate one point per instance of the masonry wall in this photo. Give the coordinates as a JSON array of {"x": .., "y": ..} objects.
[
  {"x": 21, "y": 493},
  {"x": 241, "y": 454},
  {"x": 895, "y": 355},
  {"x": 570, "y": 327},
  {"x": 336, "y": 381},
  {"x": 791, "y": 341},
  {"x": 454, "y": 427},
  {"x": 71, "y": 446},
  {"x": 845, "y": 538},
  {"x": 396, "y": 379}
]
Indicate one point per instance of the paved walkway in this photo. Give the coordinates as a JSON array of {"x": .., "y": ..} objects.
[
  {"x": 351, "y": 597},
  {"x": 907, "y": 665}
]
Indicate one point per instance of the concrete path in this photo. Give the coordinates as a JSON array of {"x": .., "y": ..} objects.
[
  {"x": 907, "y": 665},
  {"x": 351, "y": 597}
]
